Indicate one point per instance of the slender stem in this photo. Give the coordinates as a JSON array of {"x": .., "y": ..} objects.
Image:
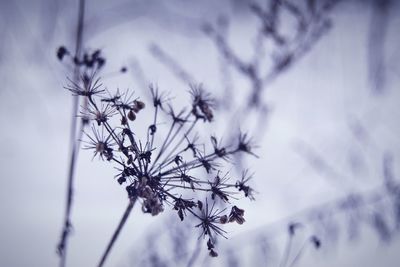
[
  {"x": 164, "y": 143},
  {"x": 196, "y": 253},
  {"x": 182, "y": 186},
  {"x": 179, "y": 143},
  {"x": 286, "y": 253},
  {"x": 177, "y": 131},
  {"x": 296, "y": 258},
  {"x": 167, "y": 141},
  {"x": 170, "y": 160},
  {"x": 154, "y": 123},
  {"x": 211, "y": 156},
  {"x": 62, "y": 245},
  {"x": 117, "y": 231}
]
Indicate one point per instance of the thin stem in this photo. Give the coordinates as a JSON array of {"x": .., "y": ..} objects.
[
  {"x": 171, "y": 159},
  {"x": 286, "y": 253},
  {"x": 164, "y": 143},
  {"x": 167, "y": 144},
  {"x": 117, "y": 231},
  {"x": 154, "y": 123},
  {"x": 179, "y": 143},
  {"x": 211, "y": 156},
  {"x": 195, "y": 254},
  {"x": 62, "y": 245},
  {"x": 177, "y": 131},
  {"x": 296, "y": 258}
]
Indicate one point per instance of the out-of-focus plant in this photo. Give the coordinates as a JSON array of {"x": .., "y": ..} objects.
[
  {"x": 377, "y": 208},
  {"x": 285, "y": 48}
]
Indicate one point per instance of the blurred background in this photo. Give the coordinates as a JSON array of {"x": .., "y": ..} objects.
[{"x": 315, "y": 83}]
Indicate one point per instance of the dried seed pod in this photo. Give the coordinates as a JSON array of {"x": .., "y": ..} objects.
[
  {"x": 223, "y": 219},
  {"x": 135, "y": 109},
  {"x": 236, "y": 215},
  {"x": 61, "y": 52},
  {"x": 139, "y": 104},
  {"x": 131, "y": 115},
  {"x": 213, "y": 253},
  {"x": 200, "y": 204},
  {"x": 153, "y": 129},
  {"x": 180, "y": 214},
  {"x": 210, "y": 245},
  {"x": 121, "y": 180}
]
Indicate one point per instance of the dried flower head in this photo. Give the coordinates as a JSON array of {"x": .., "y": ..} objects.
[
  {"x": 88, "y": 87},
  {"x": 100, "y": 144},
  {"x": 241, "y": 185},
  {"x": 166, "y": 165},
  {"x": 101, "y": 114},
  {"x": 210, "y": 219},
  {"x": 246, "y": 144},
  {"x": 202, "y": 104}
]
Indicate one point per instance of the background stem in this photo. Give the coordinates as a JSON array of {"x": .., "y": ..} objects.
[{"x": 74, "y": 141}]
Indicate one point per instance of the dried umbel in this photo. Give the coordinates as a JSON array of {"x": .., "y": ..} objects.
[{"x": 161, "y": 175}]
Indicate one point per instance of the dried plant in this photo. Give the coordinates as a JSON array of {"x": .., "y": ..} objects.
[
  {"x": 162, "y": 175},
  {"x": 154, "y": 175}
]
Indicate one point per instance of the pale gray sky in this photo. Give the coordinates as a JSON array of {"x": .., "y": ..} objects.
[{"x": 314, "y": 106}]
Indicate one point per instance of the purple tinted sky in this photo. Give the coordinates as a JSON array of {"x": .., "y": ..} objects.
[{"x": 314, "y": 104}]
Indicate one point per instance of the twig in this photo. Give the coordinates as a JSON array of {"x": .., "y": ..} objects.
[
  {"x": 62, "y": 246},
  {"x": 117, "y": 231}
]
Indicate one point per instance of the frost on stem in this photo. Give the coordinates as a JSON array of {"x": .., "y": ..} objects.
[{"x": 161, "y": 169}]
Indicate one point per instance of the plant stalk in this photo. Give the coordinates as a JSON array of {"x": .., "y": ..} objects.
[
  {"x": 118, "y": 230},
  {"x": 62, "y": 245}
]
